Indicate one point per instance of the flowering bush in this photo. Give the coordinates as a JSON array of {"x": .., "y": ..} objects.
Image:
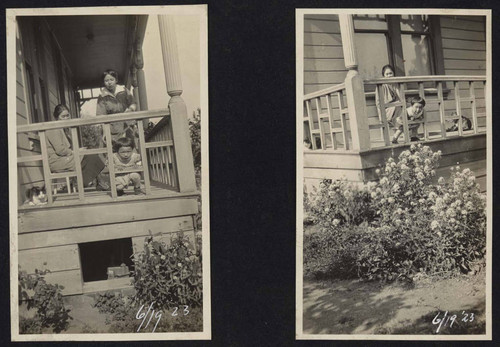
[
  {"x": 168, "y": 276},
  {"x": 338, "y": 203},
  {"x": 416, "y": 226}
]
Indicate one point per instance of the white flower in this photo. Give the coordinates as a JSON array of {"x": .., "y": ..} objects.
[
  {"x": 422, "y": 201},
  {"x": 434, "y": 224},
  {"x": 404, "y": 167},
  {"x": 441, "y": 180},
  {"x": 335, "y": 222},
  {"x": 388, "y": 169},
  {"x": 377, "y": 171},
  {"x": 420, "y": 176},
  {"x": 373, "y": 195},
  {"x": 399, "y": 211},
  {"x": 390, "y": 200},
  {"x": 384, "y": 180},
  {"x": 395, "y": 187},
  {"x": 327, "y": 209}
]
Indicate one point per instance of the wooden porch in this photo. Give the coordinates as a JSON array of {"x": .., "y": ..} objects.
[
  {"x": 350, "y": 136},
  {"x": 81, "y": 233}
]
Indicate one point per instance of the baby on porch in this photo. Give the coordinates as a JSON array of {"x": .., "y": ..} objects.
[{"x": 125, "y": 158}]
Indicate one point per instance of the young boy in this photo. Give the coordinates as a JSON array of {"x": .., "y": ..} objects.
[
  {"x": 414, "y": 113},
  {"x": 125, "y": 158}
]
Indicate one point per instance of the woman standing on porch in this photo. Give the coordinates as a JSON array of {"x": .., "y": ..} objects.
[
  {"x": 391, "y": 94},
  {"x": 111, "y": 102},
  {"x": 60, "y": 154}
]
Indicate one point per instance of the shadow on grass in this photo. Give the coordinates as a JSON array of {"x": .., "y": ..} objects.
[{"x": 348, "y": 307}]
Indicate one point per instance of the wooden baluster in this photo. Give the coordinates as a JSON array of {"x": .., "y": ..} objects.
[
  {"x": 78, "y": 164},
  {"x": 330, "y": 120},
  {"x": 343, "y": 121},
  {"x": 421, "y": 93},
  {"x": 441, "y": 109},
  {"x": 144, "y": 156},
  {"x": 320, "y": 121},
  {"x": 167, "y": 171},
  {"x": 310, "y": 122},
  {"x": 404, "y": 115},
  {"x": 111, "y": 164},
  {"x": 473, "y": 106},
  {"x": 382, "y": 114},
  {"x": 46, "y": 167},
  {"x": 458, "y": 106}
]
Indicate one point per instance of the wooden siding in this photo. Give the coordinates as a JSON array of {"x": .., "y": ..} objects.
[
  {"x": 323, "y": 54},
  {"x": 44, "y": 66},
  {"x": 463, "y": 41},
  {"x": 57, "y": 250},
  {"x": 468, "y": 152},
  {"x": 464, "y": 44},
  {"x": 29, "y": 174}
]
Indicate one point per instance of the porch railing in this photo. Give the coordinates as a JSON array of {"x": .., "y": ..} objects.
[
  {"x": 325, "y": 115},
  {"x": 159, "y": 162},
  {"x": 444, "y": 95}
]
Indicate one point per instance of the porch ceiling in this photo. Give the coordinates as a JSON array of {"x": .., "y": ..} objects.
[{"x": 92, "y": 44}]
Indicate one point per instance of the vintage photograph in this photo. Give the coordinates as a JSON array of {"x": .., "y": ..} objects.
[
  {"x": 108, "y": 170},
  {"x": 394, "y": 175}
]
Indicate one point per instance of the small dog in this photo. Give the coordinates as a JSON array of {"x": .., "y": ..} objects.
[
  {"x": 36, "y": 196},
  {"x": 466, "y": 123}
]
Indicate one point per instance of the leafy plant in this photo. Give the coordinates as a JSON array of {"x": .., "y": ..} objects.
[
  {"x": 406, "y": 226},
  {"x": 46, "y": 299},
  {"x": 168, "y": 276},
  {"x": 195, "y": 135}
]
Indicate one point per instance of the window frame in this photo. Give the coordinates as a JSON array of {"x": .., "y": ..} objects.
[{"x": 395, "y": 44}]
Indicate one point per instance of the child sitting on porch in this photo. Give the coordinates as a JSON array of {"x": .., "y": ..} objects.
[
  {"x": 124, "y": 158},
  {"x": 414, "y": 113}
]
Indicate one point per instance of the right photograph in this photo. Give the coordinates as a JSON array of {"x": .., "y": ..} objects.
[{"x": 394, "y": 180}]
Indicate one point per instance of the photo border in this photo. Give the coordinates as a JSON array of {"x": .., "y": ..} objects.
[
  {"x": 202, "y": 11},
  {"x": 299, "y": 35}
]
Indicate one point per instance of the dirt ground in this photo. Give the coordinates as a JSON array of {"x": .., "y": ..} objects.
[{"x": 355, "y": 307}]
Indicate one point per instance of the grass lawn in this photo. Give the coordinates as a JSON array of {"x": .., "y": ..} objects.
[{"x": 360, "y": 307}]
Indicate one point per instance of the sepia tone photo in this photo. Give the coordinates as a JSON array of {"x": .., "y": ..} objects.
[
  {"x": 108, "y": 162},
  {"x": 394, "y": 175}
]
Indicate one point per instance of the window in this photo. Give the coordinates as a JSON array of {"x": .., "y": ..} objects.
[{"x": 404, "y": 41}]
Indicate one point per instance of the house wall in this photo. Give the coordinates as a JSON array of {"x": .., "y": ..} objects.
[
  {"x": 463, "y": 42},
  {"x": 47, "y": 241},
  {"x": 33, "y": 34},
  {"x": 468, "y": 152}
]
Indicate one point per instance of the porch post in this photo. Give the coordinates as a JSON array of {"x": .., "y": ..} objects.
[
  {"x": 141, "y": 83},
  {"x": 178, "y": 111},
  {"x": 355, "y": 92},
  {"x": 133, "y": 74}
]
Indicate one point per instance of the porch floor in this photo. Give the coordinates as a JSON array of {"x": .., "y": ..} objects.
[{"x": 92, "y": 196}]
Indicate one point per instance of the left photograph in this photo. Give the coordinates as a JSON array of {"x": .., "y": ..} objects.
[{"x": 108, "y": 171}]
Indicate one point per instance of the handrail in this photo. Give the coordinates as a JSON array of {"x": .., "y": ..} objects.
[
  {"x": 433, "y": 78},
  {"x": 325, "y": 91},
  {"x": 111, "y": 118}
]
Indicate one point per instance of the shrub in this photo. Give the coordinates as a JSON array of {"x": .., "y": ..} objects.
[
  {"x": 195, "y": 135},
  {"x": 338, "y": 203},
  {"x": 168, "y": 276},
  {"x": 47, "y": 300},
  {"x": 416, "y": 226}
]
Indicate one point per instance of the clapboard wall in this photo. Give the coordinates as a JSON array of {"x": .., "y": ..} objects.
[
  {"x": 463, "y": 42},
  {"x": 49, "y": 237},
  {"x": 51, "y": 79}
]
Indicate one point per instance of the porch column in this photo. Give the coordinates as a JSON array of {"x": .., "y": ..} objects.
[
  {"x": 133, "y": 75},
  {"x": 141, "y": 83},
  {"x": 355, "y": 92},
  {"x": 178, "y": 111}
]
